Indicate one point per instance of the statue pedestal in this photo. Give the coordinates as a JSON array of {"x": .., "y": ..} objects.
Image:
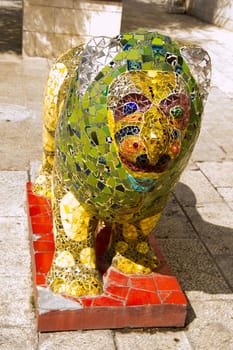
[{"x": 154, "y": 300}]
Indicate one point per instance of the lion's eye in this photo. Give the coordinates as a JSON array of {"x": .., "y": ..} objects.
[
  {"x": 176, "y": 111},
  {"x": 129, "y": 108},
  {"x": 177, "y": 108},
  {"x": 129, "y": 104}
]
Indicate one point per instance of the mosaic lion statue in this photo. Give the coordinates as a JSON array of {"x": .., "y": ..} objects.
[{"x": 121, "y": 118}]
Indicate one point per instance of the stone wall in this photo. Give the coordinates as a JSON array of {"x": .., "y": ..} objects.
[
  {"x": 176, "y": 6},
  {"x": 219, "y": 12},
  {"x": 51, "y": 27}
]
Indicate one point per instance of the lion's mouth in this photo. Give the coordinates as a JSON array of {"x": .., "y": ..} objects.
[{"x": 142, "y": 164}]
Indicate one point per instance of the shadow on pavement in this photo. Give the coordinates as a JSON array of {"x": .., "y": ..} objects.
[
  {"x": 189, "y": 253},
  {"x": 198, "y": 252}
]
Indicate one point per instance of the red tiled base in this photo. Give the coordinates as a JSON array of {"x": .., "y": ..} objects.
[{"x": 154, "y": 300}]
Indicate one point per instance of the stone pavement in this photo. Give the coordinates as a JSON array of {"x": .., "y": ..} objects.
[{"x": 195, "y": 232}]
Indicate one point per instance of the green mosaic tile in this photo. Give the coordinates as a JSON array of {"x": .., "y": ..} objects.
[{"x": 147, "y": 66}]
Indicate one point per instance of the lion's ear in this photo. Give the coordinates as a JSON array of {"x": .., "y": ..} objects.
[
  {"x": 199, "y": 63},
  {"x": 98, "y": 52}
]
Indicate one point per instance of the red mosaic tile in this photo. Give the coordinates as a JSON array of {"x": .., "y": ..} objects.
[
  {"x": 106, "y": 301},
  {"x": 117, "y": 291},
  {"x": 29, "y": 187},
  {"x": 153, "y": 300},
  {"x": 166, "y": 283},
  {"x": 37, "y": 200},
  {"x": 176, "y": 298},
  {"x": 43, "y": 246},
  {"x": 164, "y": 295},
  {"x": 141, "y": 297},
  {"x": 117, "y": 278},
  {"x": 146, "y": 283},
  {"x": 40, "y": 228},
  {"x": 41, "y": 224},
  {"x": 87, "y": 302},
  {"x": 43, "y": 261},
  {"x": 39, "y": 210},
  {"x": 40, "y": 279}
]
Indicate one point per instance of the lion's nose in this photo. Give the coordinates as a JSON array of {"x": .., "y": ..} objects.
[
  {"x": 142, "y": 161},
  {"x": 155, "y": 133}
]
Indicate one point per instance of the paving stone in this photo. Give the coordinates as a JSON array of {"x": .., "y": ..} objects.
[
  {"x": 14, "y": 113},
  {"x": 81, "y": 340},
  {"x": 226, "y": 193},
  {"x": 36, "y": 67},
  {"x": 12, "y": 193},
  {"x": 18, "y": 338},
  {"x": 225, "y": 262},
  {"x": 213, "y": 326},
  {"x": 22, "y": 71},
  {"x": 8, "y": 94},
  {"x": 202, "y": 153},
  {"x": 217, "y": 102},
  {"x": 13, "y": 66},
  {"x": 14, "y": 230},
  {"x": 14, "y": 253},
  {"x": 160, "y": 340},
  {"x": 15, "y": 307},
  {"x": 203, "y": 297},
  {"x": 215, "y": 143},
  {"x": 220, "y": 79},
  {"x": 193, "y": 266},
  {"x": 173, "y": 222},
  {"x": 219, "y": 173},
  {"x": 194, "y": 188},
  {"x": 222, "y": 136},
  {"x": 18, "y": 159},
  {"x": 214, "y": 224}
]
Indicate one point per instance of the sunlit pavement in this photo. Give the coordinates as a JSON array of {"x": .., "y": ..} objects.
[{"x": 195, "y": 232}]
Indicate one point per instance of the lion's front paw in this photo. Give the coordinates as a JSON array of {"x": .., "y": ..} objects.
[
  {"x": 75, "y": 282},
  {"x": 145, "y": 265}
]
